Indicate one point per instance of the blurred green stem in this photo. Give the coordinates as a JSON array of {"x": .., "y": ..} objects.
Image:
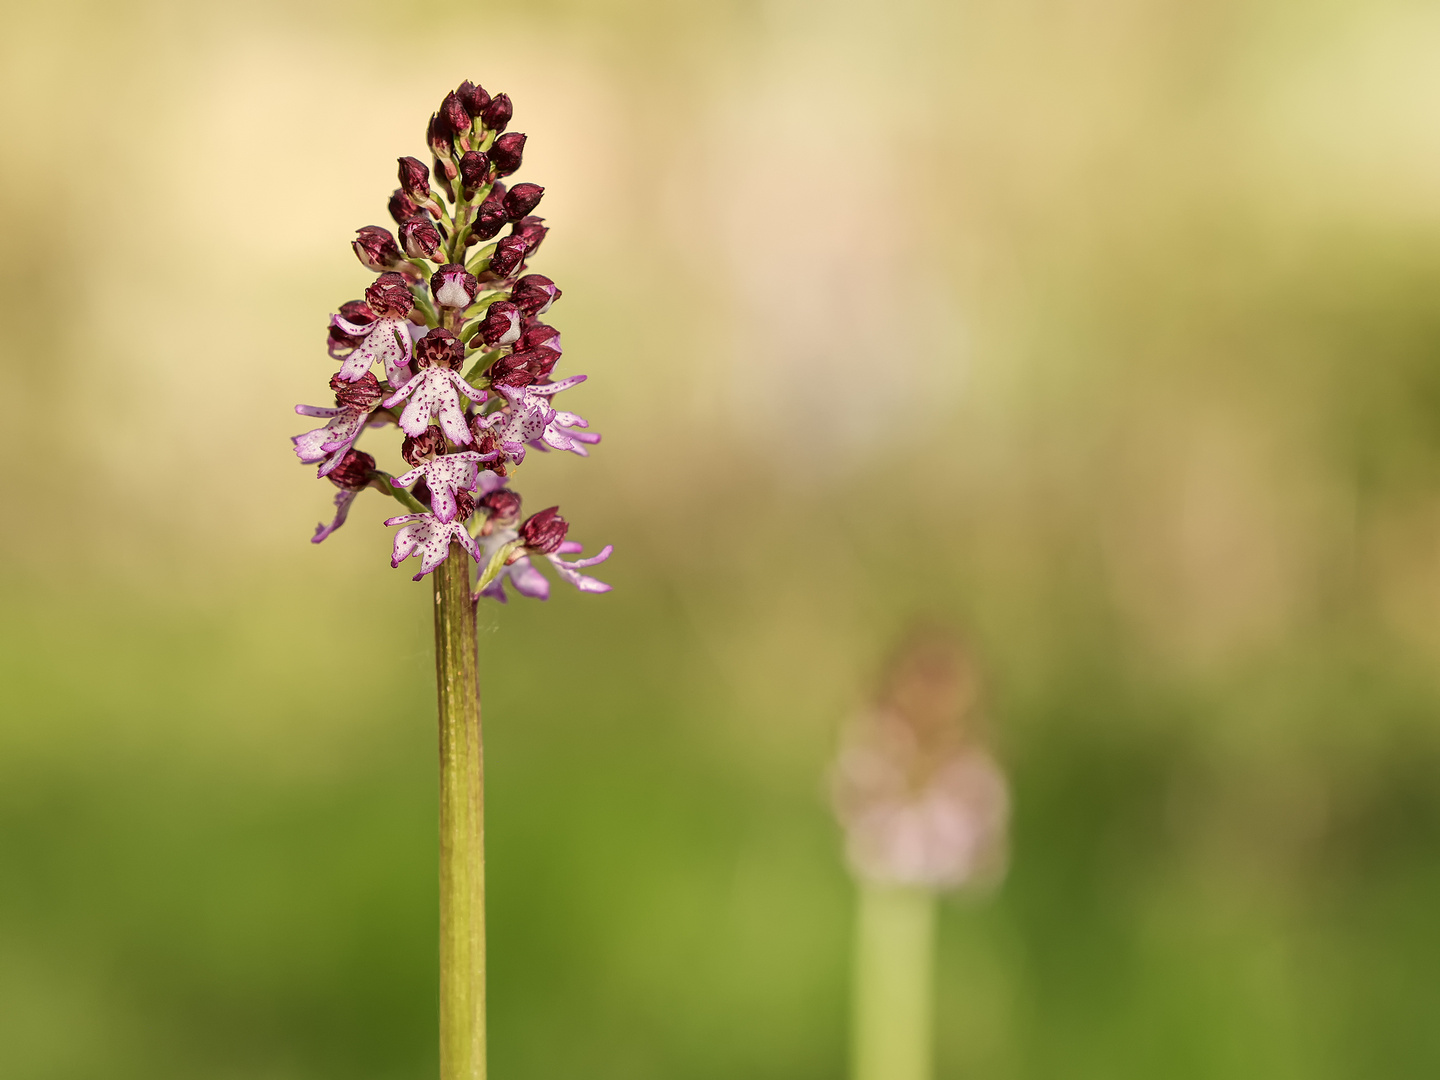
[
  {"x": 894, "y": 955},
  {"x": 462, "y": 826}
]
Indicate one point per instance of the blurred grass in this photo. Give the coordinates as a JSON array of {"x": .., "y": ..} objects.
[{"x": 1104, "y": 330}]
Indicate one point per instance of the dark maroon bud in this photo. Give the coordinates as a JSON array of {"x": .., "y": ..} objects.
[
  {"x": 439, "y": 348},
  {"x": 389, "y": 297},
  {"x": 402, "y": 207},
  {"x": 445, "y": 171},
  {"x": 503, "y": 506},
  {"x": 534, "y": 293},
  {"x": 474, "y": 168},
  {"x": 521, "y": 199},
  {"x": 439, "y": 136},
  {"x": 510, "y": 371},
  {"x": 533, "y": 230},
  {"x": 506, "y": 154},
  {"x": 497, "y": 112},
  {"x": 490, "y": 216},
  {"x": 424, "y": 447},
  {"x": 376, "y": 248},
  {"x": 452, "y": 111},
  {"x": 474, "y": 98},
  {"x": 544, "y": 532},
  {"x": 509, "y": 253},
  {"x": 354, "y": 470},
  {"x": 420, "y": 237},
  {"x": 464, "y": 505},
  {"x": 364, "y": 393},
  {"x": 539, "y": 336},
  {"x": 453, "y": 287},
  {"x": 501, "y": 325},
  {"x": 414, "y": 178},
  {"x": 539, "y": 361}
]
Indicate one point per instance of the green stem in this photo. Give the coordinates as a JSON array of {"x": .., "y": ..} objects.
[
  {"x": 894, "y": 955},
  {"x": 462, "y": 826}
]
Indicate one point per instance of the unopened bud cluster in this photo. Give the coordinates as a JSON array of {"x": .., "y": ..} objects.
[
  {"x": 922, "y": 802},
  {"x": 448, "y": 344}
]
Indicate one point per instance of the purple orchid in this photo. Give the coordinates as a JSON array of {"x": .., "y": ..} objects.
[
  {"x": 446, "y": 475},
  {"x": 528, "y": 418},
  {"x": 329, "y": 444},
  {"x": 436, "y": 389},
  {"x": 541, "y": 534},
  {"x": 431, "y": 536},
  {"x": 387, "y": 339}
]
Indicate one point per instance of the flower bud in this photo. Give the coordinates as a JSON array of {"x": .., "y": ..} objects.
[
  {"x": 364, "y": 393},
  {"x": 539, "y": 336},
  {"x": 439, "y": 348},
  {"x": 503, "y": 506},
  {"x": 444, "y": 171},
  {"x": 534, "y": 293},
  {"x": 544, "y": 532},
  {"x": 507, "y": 153},
  {"x": 490, "y": 215},
  {"x": 533, "y": 230},
  {"x": 421, "y": 238},
  {"x": 474, "y": 98},
  {"x": 497, "y": 112},
  {"x": 439, "y": 136},
  {"x": 464, "y": 505},
  {"x": 426, "y": 446},
  {"x": 524, "y": 367},
  {"x": 509, "y": 253},
  {"x": 501, "y": 325},
  {"x": 389, "y": 297},
  {"x": 453, "y": 287},
  {"x": 521, "y": 199},
  {"x": 402, "y": 207},
  {"x": 353, "y": 472},
  {"x": 376, "y": 248},
  {"x": 474, "y": 168},
  {"x": 454, "y": 113},
  {"x": 414, "y": 178}
]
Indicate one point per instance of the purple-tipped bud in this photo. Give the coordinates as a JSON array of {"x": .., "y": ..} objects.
[
  {"x": 507, "y": 153},
  {"x": 453, "y": 287},
  {"x": 402, "y": 207},
  {"x": 503, "y": 506},
  {"x": 521, "y": 199},
  {"x": 474, "y": 168},
  {"x": 426, "y": 446},
  {"x": 539, "y": 336},
  {"x": 464, "y": 505},
  {"x": 490, "y": 215},
  {"x": 353, "y": 472},
  {"x": 364, "y": 393},
  {"x": 544, "y": 532},
  {"x": 376, "y": 248},
  {"x": 501, "y": 325},
  {"x": 533, "y": 230},
  {"x": 420, "y": 237},
  {"x": 497, "y": 112},
  {"x": 414, "y": 178},
  {"x": 474, "y": 98},
  {"x": 389, "y": 297},
  {"x": 509, "y": 253},
  {"x": 439, "y": 348},
  {"x": 454, "y": 113},
  {"x": 534, "y": 293}
]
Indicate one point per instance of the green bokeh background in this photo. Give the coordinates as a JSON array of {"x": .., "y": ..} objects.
[{"x": 1106, "y": 331}]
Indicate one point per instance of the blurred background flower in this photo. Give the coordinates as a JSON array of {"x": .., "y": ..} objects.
[{"x": 1105, "y": 330}]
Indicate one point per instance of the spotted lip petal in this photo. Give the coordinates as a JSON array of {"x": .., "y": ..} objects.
[{"x": 386, "y": 340}]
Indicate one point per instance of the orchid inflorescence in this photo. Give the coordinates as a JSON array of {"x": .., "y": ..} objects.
[{"x": 458, "y": 338}]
